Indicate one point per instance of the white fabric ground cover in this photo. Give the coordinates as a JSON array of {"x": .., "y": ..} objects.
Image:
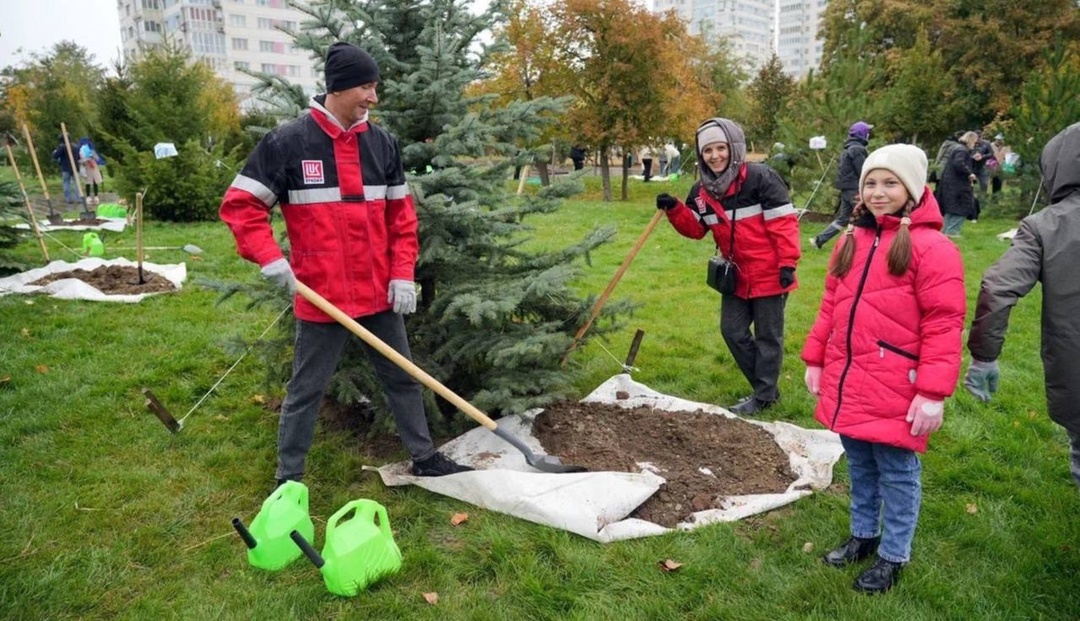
[
  {"x": 110, "y": 224},
  {"x": 596, "y": 504},
  {"x": 75, "y": 289}
]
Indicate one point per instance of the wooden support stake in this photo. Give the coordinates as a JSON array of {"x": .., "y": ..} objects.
[
  {"x": 161, "y": 411},
  {"x": 37, "y": 167},
  {"x": 522, "y": 176},
  {"x": 614, "y": 281},
  {"x": 29, "y": 205},
  {"x": 75, "y": 172},
  {"x": 138, "y": 233},
  {"x": 632, "y": 354}
]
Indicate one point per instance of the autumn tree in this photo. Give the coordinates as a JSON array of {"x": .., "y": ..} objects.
[
  {"x": 528, "y": 68},
  {"x": 621, "y": 60},
  {"x": 987, "y": 47},
  {"x": 59, "y": 86}
]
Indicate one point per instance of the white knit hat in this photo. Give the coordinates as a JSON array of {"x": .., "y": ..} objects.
[
  {"x": 906, "y": 161},
  {"x": 709, "y": 134}
]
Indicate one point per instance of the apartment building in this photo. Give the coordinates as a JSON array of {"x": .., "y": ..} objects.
[
  {"x": 746, "y": 24},
  {"x": 798, "y": 46},
  {"x": 230, "y": 35}
]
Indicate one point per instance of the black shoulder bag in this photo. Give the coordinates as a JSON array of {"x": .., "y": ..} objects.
[{"x": 721, "y": 275}]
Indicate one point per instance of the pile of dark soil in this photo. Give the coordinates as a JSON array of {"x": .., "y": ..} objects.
[
  {"x": 114, "y": 280},
  {"x": 703, "y": 457}
]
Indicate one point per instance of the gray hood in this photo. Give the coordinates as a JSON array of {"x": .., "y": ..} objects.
[{"x": 1060, "y": 163}]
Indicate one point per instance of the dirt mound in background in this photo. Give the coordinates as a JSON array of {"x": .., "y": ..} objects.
[
  {"x": 702, "y": 456},
  {"x": 114, "y": 280}
]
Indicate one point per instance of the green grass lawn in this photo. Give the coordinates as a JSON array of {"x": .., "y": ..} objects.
[{"x": 106, "y": 515}]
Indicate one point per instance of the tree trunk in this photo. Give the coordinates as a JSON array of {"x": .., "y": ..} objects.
[
  {"x": 625, "y": 177},
  {"x": 605, "y": 172},
  {"x": 542, "y": 170}
]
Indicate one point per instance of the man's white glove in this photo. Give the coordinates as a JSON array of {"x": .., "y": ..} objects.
[
  {"x": 402, "y": 295},
  {"x": 813, "y": 380},
  {"x": 280, "y": 273},
  {"x": 925, "y": 415}
]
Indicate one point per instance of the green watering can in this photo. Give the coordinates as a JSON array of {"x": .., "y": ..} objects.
[
  {"x": 358, "y": 552},
  {"x": 92, "y": 245},
  {"x": 285, "y": 511},
  {"x": 111, "y": 210}
]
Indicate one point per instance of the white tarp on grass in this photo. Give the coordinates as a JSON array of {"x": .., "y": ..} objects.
[
  {"x": 75, "y": 289},
  {"x": 595, "y": 504},
  {"x": 108, "y": 224}
]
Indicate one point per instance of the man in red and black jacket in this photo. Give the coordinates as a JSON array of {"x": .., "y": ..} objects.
[
  {"x": 352, "y": 231},
  {"x": 753, "y": 223}
]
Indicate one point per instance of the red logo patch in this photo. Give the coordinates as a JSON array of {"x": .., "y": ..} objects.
[{"x": 313, "y": 171}]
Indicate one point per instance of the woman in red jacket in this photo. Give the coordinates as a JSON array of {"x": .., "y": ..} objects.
[
  {"x": 884, "y": 353},
  {"x": 753, "y": 223}
]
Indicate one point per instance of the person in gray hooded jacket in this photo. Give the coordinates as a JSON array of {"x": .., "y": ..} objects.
[{"x": 1044, "y": 250}]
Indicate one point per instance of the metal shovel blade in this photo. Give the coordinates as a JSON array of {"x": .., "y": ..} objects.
[{"x": 546, "y": 463}]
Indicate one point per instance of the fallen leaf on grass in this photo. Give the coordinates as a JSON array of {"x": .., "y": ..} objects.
[
  {"x": 5, "y": 378},
  {"x": 431, "y": 598},
  {"x": 196, "y": 258},
  {"x": 1016, "y": 423},
  {"x": 808, "y": 547},
  {"x": 971, "y": 508},
  {"x": 258, "y": 399},
  {"x": 26, "y": 333},
  {"x": 41, "y": 368},
  {"x": 29, "y": 302},
  {"x": 459, "y": 518},
  {"x": 669, "y": 565}
]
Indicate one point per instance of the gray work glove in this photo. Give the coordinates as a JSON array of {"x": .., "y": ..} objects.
[
  {"x": 982, "y": 379},
  {"x": 402, "y": 295},
  {"x": 280, "y": 273}
]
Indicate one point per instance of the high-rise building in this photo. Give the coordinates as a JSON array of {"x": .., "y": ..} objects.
[
  {"x": 230, "y": 35},
  {"x": 798, "y": 45},
  {"x": 746, "y": 24}
]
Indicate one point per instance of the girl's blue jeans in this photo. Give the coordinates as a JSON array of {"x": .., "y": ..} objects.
[{"x": 886, "y": 492}]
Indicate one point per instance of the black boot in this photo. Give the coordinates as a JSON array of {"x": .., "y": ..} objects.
[
  {"x": 880, "y": 577},
  {"x": 851, "y": 551},
  {"x": 750, "y": 405},
  {"x": 436, "y": 466}
]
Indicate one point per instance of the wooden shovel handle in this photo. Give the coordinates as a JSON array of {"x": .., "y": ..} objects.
[
  {"x": 614, "y": 281},
  {"x": 392, "y": 354}
]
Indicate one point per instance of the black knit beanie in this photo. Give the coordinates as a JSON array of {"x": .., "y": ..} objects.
[{"x": 348, "y": 66}]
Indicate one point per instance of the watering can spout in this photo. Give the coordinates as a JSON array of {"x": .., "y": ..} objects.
[
  {"x": 315, "y": 558},
  {"x": 244, "y": 533}
]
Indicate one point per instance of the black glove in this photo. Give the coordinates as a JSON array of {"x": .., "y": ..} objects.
[
  {"x": 666, "y": 201},
  {"x": 787, "y": 276}
]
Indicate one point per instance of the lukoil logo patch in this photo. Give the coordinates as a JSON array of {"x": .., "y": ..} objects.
[{"x": 313, "y": 171}]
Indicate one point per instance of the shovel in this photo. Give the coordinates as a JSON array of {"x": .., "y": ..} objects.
[{"x": 545, "y": 463}]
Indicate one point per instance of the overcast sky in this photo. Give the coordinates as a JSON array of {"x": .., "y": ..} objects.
[{"x": 35, "y": 25}]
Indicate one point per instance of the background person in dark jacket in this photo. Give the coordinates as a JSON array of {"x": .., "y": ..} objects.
[
  {"x": 747, "y": 209},
  {"x": 1044, "y": 250},
  {"x": 60, "y": 154},
  {"x": 954, "y": 192},
  {"x": 847, "y": 180}
]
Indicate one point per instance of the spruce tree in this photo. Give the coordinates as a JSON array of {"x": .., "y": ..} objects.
[{"x": 495, "y": 317}]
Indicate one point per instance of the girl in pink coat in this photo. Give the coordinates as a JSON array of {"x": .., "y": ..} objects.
[{"x": 884, "y": 353}]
